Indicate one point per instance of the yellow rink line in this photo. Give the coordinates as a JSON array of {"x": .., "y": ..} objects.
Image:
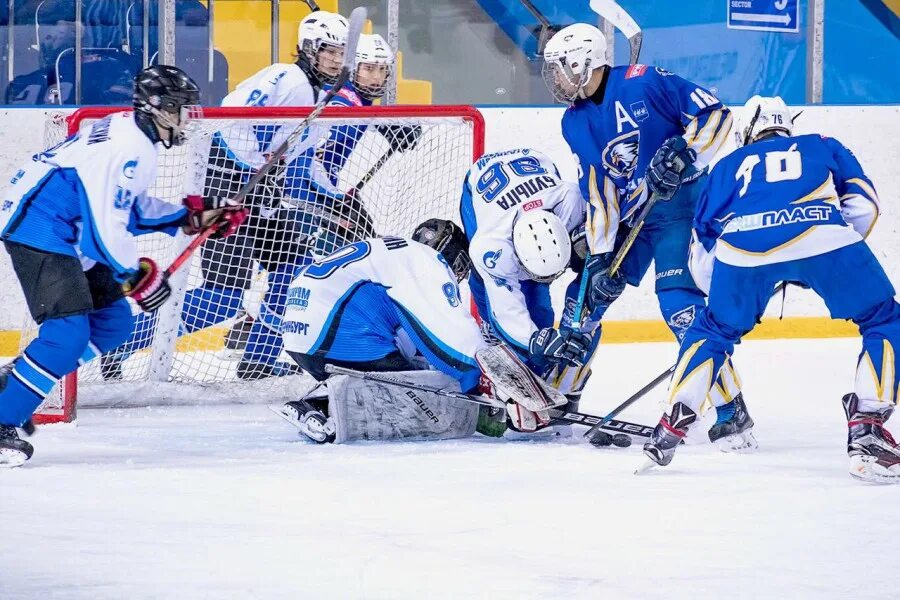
[{"x": 614, "y": 332}]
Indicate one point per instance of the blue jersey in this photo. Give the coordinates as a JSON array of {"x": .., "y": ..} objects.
[
  {"x": 614, "y": 138},
  {"x": 784, "y": 198}
]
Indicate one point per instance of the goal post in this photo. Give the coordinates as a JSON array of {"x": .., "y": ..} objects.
[{"x": 404, "y": 164}]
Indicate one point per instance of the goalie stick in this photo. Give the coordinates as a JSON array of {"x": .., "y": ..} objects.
[
  {"x": 357, "y": 20},
  {"x": 611, "y": 425}
]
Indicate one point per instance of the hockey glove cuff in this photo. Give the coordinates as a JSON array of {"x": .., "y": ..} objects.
[
  {"x": 224, "y": 214},
  {"x": 149, "y": 287},
  {"x": 603, "y": 288}
]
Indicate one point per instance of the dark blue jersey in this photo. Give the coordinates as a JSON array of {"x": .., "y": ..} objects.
[{"x": 614, "y": 139}]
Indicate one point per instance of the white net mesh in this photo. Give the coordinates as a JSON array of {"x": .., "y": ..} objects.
[{"x": 349, "y": 177}]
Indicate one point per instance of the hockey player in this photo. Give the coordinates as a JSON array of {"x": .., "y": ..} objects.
[
  {"x": 519, "y": 215},
  {"x": 789, "y": 208},
  {"x": 69, "y": 222},
  {"x": 634, "y": 131},
  {"x": 393, "y": 304},
  {"x": 287, "y": 223}
]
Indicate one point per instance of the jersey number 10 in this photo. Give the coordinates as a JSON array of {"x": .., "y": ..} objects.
[{"x": 779, "y": 166}]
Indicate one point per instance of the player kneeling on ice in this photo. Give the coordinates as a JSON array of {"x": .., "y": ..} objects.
[
  {"x": 393, "y": 304},
  {"x": 69, "y": 223},
  {"x": 789, "y": 208}
]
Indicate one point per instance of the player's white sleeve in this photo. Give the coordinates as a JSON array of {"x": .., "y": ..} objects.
[
  {"x": 112, "y": 184},
  {"x": 495, "y": 262},
  {"x": 602, "y": 222},
  {"x": 571, "y": 207},
  {"x": 860, "y": 207},
  {"x": 152, "y": 215},
  {"x": 701, "y": 263}
]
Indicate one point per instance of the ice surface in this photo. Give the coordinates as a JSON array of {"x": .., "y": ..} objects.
[{"x": 225, "y": 502}]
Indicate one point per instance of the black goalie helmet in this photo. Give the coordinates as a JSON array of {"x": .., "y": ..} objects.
[
  {"x": 165, "y": 100},
  {"x": 448, "y": 239}
]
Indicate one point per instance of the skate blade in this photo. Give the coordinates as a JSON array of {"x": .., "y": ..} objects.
[
  {"x": 10, "y": 459},
  {"x": 866, "y": 468},
  {"x": 645, "y": 467},
  {"x": 738, "y": 443}
]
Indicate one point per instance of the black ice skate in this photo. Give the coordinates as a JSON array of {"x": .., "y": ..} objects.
[
  {"x": 111, "y": 367},
  {"x": 874, "y": 455},
  {"x": 309, "y": 420},
  {"x": 735, "y": 434},
  {"x": 666, "y": 437},
  {"x": 13, "y": 451}
]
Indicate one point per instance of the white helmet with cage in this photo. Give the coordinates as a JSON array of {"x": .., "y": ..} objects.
[
  {"x": 321, "y": 38},
  {"x": 542, "y": 245},
  {"x": 763, "y": 114},
  {"x": 570, "y": 58},
  {"x": 373, "y": 67}
]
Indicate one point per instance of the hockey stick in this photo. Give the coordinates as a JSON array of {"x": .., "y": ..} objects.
[
  {"x": 357, "y": 20},
  {"x": 619, "y": 17},
  {"x": 611, "y": 425},
  {"x": 656, "y": 381},
  {"x": 313, "y": 7}
]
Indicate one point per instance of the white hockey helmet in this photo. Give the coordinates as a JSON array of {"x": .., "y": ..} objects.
[
  {"x": 323, "y": 30},
  {"x": 570, "y": 58},
  {"x": 542, "y": 245},
  {"x": 373, "y": 66},
  {"x": 763, "y": 114}
]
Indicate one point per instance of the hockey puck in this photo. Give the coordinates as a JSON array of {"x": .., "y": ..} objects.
[{"x": 601, "y": 439}]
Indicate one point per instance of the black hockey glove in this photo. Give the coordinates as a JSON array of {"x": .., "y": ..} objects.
[
  {"x": 400, "y": 137},
  {"x": 563, "y": 345},
  {"x": 603, "y": 288},
  {"x": 671, "y": 164}
]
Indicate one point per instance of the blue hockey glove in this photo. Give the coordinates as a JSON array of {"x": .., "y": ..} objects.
[
  {"x": 603, "y": 288},
  {"x": 671, "y": 164},
  {"x": 563, "y": 345}
]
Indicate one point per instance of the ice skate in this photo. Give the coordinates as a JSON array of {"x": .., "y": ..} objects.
[
  {"x": 239, "y": 333},
  {"x": 309, "y": 420},
  {"x": 13, "y": 451},
  {"x": 733, "y": 430},
  {"x": 874, "y": 455},
  {"x": 666, "y": 437}
]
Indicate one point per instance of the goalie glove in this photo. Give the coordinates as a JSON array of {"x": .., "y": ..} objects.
[
  {"x": 224, "y": 214},
  {"x": 401, "y": 137},
  {"x": 149, "y": 287}
]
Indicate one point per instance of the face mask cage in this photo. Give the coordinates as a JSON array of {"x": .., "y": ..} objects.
[
  {"x": 541, "y": 278},
  {"x": 312, "y": 49},
  {"x": 376, "y": 90},
  {"x": 564, "y": 84},
  {"x": 180, "y": 124}
]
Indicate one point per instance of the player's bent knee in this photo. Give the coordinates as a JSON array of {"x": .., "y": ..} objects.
[{"x": 118, "y": 323}]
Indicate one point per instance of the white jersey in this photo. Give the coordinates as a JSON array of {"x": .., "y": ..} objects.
[
  {"x": 281, "y": 84},
  {"x": 415, "y": 278},
  {"x": 99, "y": 204},
  {"x": 501, "y": 186}
]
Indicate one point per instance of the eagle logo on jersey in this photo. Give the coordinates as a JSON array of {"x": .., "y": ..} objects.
[{"x": 620, "y": 155}]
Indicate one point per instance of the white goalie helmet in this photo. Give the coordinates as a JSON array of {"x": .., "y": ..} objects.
[
  {"x": 763, "y": 114},
  {"x": 542, "y": 245},
  {"x": 570, "y": 58},
  {"x": 319, "y": 31},
  {"x": 373, "y": 67}
]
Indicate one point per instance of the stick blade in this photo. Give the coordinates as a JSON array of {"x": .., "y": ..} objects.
[{"x": 357, "y": 22}]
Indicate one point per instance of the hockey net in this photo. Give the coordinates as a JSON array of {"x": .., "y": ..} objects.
[{"x": 217, "y": 337}]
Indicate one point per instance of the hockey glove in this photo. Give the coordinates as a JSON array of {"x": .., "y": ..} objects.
[
  {"x": 400, "y": 137},
  {"x": 563, "y": 345},
  {"x": 603, "y": 288},
  {"x": 149, "y": 287},
  {"x": 224, "y": 214},
  {"x": 671, "y": 164}
]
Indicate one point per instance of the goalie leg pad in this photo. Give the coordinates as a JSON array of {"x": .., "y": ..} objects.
[
  {"x": 512, "y": 381},
  {"x": 369, "y": 410}
]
